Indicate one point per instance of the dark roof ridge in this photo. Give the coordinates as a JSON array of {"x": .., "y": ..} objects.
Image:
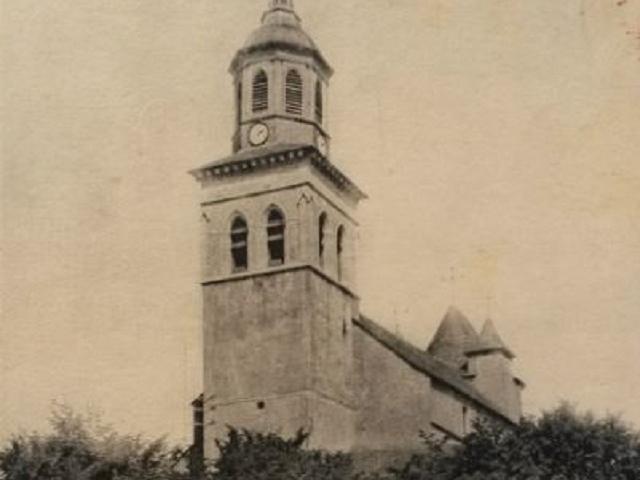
[{"x": 425, "y": 363}]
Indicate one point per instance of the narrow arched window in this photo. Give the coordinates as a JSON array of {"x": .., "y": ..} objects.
[
  {"x": 239, "y": 244},
  {"x": 322, "y": 222},
  {"x": 293, "y": 93},
  {"x": 239, "y": 103},
  {"x": 275, "y": 236},
  {"x": 260, "y": 101},
  {"x": 465, "y": 420},
  {"x": 340, "y": 250},
  {"x": 319, "y": 105}
]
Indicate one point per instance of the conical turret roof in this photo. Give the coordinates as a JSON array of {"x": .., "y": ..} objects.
[
  {"x": 490, "y": 341},
  {"x": 454, "y": 337}
]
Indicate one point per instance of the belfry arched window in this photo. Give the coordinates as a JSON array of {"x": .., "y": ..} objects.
[
  {"x": 322, "y": 223},
  {"x": 340, "y": 251},
  {"x": 260, "y": 100},
  {"x": 319, "y": 101},
  {"x": 276, "y": 226},
  {"x": 239, "y": 244},
  {"x": 293, "y": 92}
]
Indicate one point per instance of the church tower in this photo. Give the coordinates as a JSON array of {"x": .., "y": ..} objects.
[{"x": 278, "y": 251}]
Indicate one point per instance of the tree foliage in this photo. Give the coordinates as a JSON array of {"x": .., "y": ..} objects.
[
  {"x": 254, "y": 456},
  {"x": 80, "y": 447},
  {"x": 560, "y": 445}
]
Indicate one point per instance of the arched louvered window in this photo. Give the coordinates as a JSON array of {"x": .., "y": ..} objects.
[
  {"x": 319, "y": 101},
  {"x": 322, "y": 223},
  {"x": 275, "y": 236},
  {"x": 239, "y": 103},
  {"x": 260, "y": 100},
  {"x": 340, "y": 250},
  {"x": 293, "y": 93},
  {"x": 239, "y": 244}
]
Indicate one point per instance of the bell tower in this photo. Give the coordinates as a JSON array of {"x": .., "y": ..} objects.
[
  {"x": 278, "y": 256},
  {"x": 281, "y": 81}
]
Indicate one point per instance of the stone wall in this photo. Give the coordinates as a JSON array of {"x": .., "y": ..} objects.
[
  {"x": 277, "y": 339},
  {"x": 452, "y": 414},
  {"x": 495, "y": 380},
  {"x": 394, "y": 401},
  {"x": 277, "y": 357},
  {"x": 256, "y": 350}
]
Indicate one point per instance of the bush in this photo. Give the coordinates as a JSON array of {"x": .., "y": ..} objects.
[
  {"x": 254, "y": 456},
  {"x": 561, "y": 445},
  {"x": 81, "y": 448}
]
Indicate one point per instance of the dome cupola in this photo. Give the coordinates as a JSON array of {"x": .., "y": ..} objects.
[
  {"x": 281, "y": 30},
  {"x": 281, "y": 81}
]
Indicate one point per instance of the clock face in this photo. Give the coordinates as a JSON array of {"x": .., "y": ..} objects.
[
  {"x": 258, "y": 134},
  {"x": 323, "y": 147}
]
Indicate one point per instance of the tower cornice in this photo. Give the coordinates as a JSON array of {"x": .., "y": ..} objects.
[
  {"x": 280, "y": 270},
  {"x": 244, "y": 55},
  {"x": 282, "y": 53},
  {"x": 266, "y": 158}
]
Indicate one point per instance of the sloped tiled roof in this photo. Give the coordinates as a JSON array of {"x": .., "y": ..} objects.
[
  {"x": 426, "y": 363},
  {"x": 454, "y": 337},
  {"x": 490, "y": 341}
]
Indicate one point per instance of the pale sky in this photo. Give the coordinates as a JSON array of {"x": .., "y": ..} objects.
[{"x": 498, "y": 137}]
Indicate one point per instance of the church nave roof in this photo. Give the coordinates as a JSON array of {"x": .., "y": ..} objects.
[{"x": 426, "y": 363}]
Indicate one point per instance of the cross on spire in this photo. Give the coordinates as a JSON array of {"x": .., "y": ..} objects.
[
  {"x": 490, "y": 299},
  {"x": 635, "y": 34},
  {"x": 452, "y": 278}
]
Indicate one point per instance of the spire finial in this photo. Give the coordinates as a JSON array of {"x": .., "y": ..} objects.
[
  {"x": 279, "y": 11},
  {"x": 281, "y": 5}
]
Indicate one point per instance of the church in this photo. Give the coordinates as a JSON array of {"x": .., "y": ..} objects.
[{"x": 285, "y": 343}]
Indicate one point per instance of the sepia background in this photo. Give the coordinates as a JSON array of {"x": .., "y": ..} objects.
[{"x": 496, "y": 137}]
